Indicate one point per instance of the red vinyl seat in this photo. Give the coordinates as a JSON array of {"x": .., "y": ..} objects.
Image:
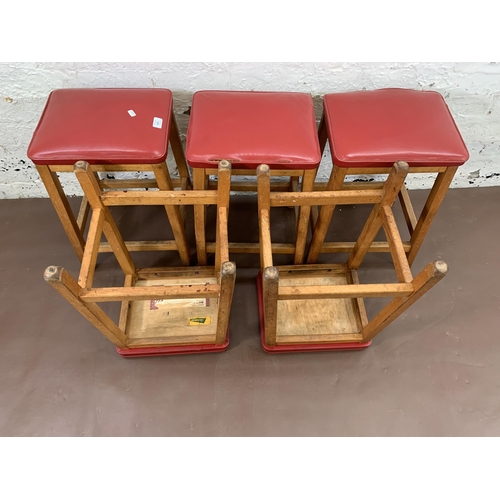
[
  {"x": 95, "y": 125},
  {"x": 375, "y": 128},
  {"x": 251, "y": 128}
]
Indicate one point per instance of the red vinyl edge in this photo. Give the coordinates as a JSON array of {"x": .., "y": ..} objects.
[{"x": 139, "y": 352}]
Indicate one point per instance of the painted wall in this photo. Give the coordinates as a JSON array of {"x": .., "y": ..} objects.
[{"x": 472, "y": 91}]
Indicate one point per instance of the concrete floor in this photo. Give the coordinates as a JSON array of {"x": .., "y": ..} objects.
[{"x": 435, "y": 371}]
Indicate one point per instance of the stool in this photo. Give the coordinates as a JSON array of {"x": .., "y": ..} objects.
[
  {"x": 114, "y": 130},
  {"x": 248, "y": 129},
  {"x": 163, "y": 310},
  {"x": 316, "y": 307},
  {"x": 368, "y": 131}
]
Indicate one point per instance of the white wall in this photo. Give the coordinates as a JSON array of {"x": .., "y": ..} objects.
[{"x": 472, "y": 91}]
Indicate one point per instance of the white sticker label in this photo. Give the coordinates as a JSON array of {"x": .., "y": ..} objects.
[
  {"x": 157, "y": 122},
  {"x": 131, "y": 112},
  {"x": 165, "y": 303}
]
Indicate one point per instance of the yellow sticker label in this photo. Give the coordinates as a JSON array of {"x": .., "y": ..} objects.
[{"x": 199, "y": 321}]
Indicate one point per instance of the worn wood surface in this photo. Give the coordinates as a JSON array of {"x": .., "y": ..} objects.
[
  {"x": 169, "y": 318},
  {"x": 227, "y": 282},
  {"x": 372, "y": 226},
  {"x": 263, "y": 203},
  {"x": 142, "y": 246},
  {"x": 87, "y": 269},
  {"x": 399, "y": 259},
  {"x": 125, "y": 307},
  {"x": 171, "y": 272},
  {"x": 297, "y": 292},
  {"x": 173, "y": 213},
  {"x": 64, "y": 283},
  {"x": 168, "y": 198},
  {"x": 424, "y": 281},
  {"x": 326, "y": 198},
  {"x": 223, "y": 195},
  {"x": 90, "y": 186},
  {"x": 303, "y": 217},
  {"x": 119, "y": 293},
  {"x": 347, "y": 246},
  {"x": 316, "y": 320},
  {"x": 270, "y": 283},
  {"x": 62, "y": 208},
  {"x": 83, "y": 214},
  {"x": 199, "y": 180},
  {"x": 431, "y": 207},
  {"x": 407, "y": 208},
  {"x": 363, "y": 317},
  {"x": 325, "y": 215}
]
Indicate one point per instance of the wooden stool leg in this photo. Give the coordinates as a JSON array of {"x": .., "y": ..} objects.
[
  {"x": 223, "y": 195},
  {"x": 399, "y": 258},
  {"x": 303, "y": 221},
  {"x": 264, "y": 208},
  {"x": 180, "y": 159},
  {"x": 270, "y": 282},
  {"x": 87, "y": 269},
  {"x": 294, "y": 188},
  {"x": 173, "y": 213},
  {"x": 90, "y": 185},
  {"x": 63, "y": 282},
  {"x": 270, "y": 275},
  {"x": 407, "y": 208},
  {"x": 429, "y": 211},
  {"x": 83, "y": 214},
  {"x": 392, "y": 187},
  {"x": 199, "y": 179},
  {"x": 63, "y": 210},
  {"x": 325, "y": 215},
  {"x": 423, "y": 282},
  {"x": 226, "y": 282},
  {"x": 323, "y": 137}
]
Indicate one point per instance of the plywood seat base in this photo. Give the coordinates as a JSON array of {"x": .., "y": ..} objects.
[
  {"x": 170, "y": 322},
  {"x": 314, "y": 325}
]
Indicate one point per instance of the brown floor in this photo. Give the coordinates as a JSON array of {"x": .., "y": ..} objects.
[{"x": 434, "y": 372}]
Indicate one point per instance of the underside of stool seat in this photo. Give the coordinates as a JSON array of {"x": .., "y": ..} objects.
[
  {"x": 103, "y": 126},
  {"x": 164, "y": 310},
  {"x": 251, "y": 128},
  {"x": 376, "y": 128}
]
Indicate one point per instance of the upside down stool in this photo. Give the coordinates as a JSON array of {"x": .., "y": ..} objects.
[
  {"x": 163, "y": 310},
  {"x": 318, "y": 307},
  {"x": 370, "y": 130},
  {"x": 114, "y": 130},
  {"x": 248, "y": 129}
]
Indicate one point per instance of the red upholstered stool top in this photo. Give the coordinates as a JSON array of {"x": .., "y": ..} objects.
[
  {"x": 95, "y": 125},
  {"x": 376, "y": 128},
  {"x": 250, "y": 128}
]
